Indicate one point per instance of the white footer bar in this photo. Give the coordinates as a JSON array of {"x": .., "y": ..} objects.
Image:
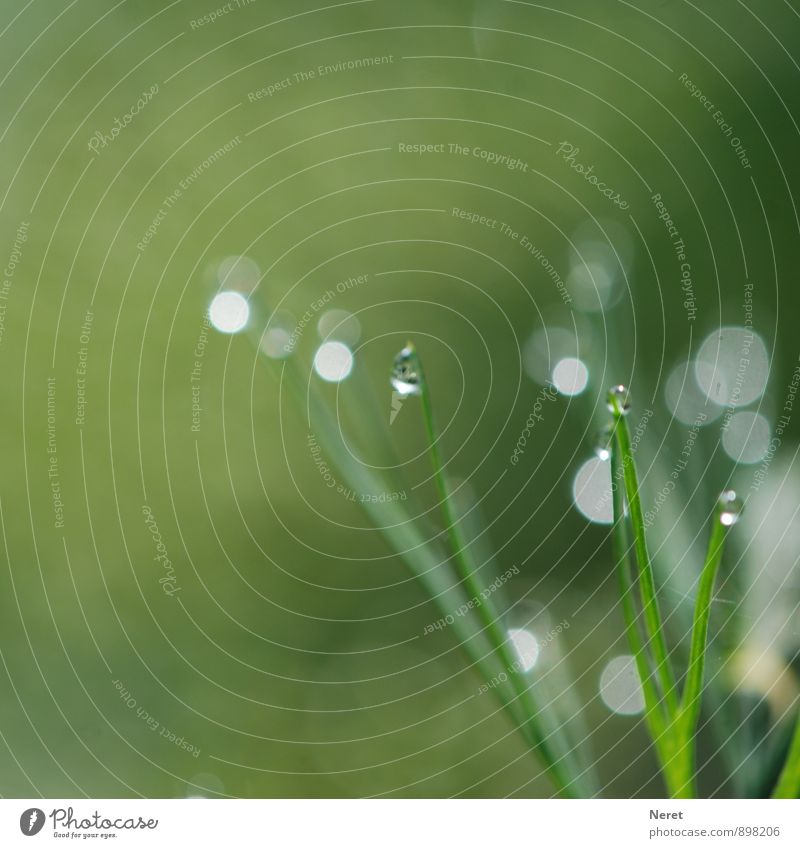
[{"x": 400, "y": 823}]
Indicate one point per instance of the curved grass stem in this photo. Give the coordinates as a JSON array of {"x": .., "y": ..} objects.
[
  {"x": 658, "y": 719},
  {"x": 556, "y": 764},
  {"x": 688, "y": 716},
  {"x": 481, "y": 640},
  {"x": 655, "y": 716},
  {"x": 690, "y": 703},
  {"x": 653, "y": 622},
  {"x": 672, "y": 722},
  {"x": 788, "y": 785}
]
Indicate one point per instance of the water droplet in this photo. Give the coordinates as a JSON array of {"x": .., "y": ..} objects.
[
  {"x": 276, "y": 343},
  {"x": 570, "y": 376},
  {"x": 240, "y": 273},
  {"x": 685, "y": 400},
  {"x": 592, "y": 285},
  {"x": 618, "y": 400},
  {"x": 620, "y": 687},
  {"x": 337, "y": 325},
  {"x": 545, "y": 348},
  {"x": 405, "y": 372},
  {"x": 229, "y": 312},
  {"x": 599, "y": 258},
  {"x": 602, "y": 442},
  {"x": 203, "y": 785},
  {"x": 333, "y": 362},
  {"x": 746, "y": 438},
  {"x": 732, "y": 366},
  {"x": 731, "y": 506},
  {"x": 526, "y": 646},
  {"x": 591, "y": 491}
]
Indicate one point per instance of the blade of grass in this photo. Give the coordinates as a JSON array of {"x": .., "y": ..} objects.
[
  {"x": 686, "y": 720},
  {"x": 724, "y": 711},
  {"x": 489, "y": 616},
  {"x": 662, "y": 723},
  {"x": 788, "y": 785},
  {"x": 552, "y": 686},
  {"x": 655, "y": 715},
  {"x": 652, "y": 615},
  {"x": 690, "y": 703},
  {"x": 431, "y": 568},
  {"x": 658, "y": 720}
]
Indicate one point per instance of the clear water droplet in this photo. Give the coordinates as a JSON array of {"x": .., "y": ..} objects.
[
  {"x": 570, "y": 376},
  {"x": 621, "y": 687},
  {"x": 591, "y": 491},
  {"x": 746, "y": 437},
  {"x": 333, "y": 362},
  {"x": 406, "y": 378},
  {"x": 229, "y": 312},
  {"x": 602, "y": 442},
  {"x": 338, "y": 325},
  {"x": 526, "y": 646},
  {"x": 732, "y": 366},
  {"x": 731, "y": 506},
  {"x": 618, "y": 399},
  {"x": 277, "y": 343}
]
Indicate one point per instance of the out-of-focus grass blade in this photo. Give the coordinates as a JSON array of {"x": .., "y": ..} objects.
[{"x": 430, "y": 564}]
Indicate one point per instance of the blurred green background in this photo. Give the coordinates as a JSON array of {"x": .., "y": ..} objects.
[{"x": 291, "y": 652}]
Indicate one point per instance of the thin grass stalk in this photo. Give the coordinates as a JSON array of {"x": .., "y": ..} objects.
[
  {"x": 489, "y": 617},
  {"x": 654, "y": 625},
  {"x": 405, "y": 538},
  {"x": 655, "y": 715},
  {"x": 788, "y": 785}
]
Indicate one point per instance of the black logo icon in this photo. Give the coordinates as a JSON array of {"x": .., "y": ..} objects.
[{"x": 31, "y": 821}]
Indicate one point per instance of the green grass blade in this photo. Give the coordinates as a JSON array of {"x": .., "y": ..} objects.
[
  {"x": 788, "y": 785},
  {"x": 652, "y": 615},
  {"x": 690, "y": 704},
  {"x": 654, "y": 713},
  {"x": 432, "y": 567},
  {"x": 548, "y": 740}
]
